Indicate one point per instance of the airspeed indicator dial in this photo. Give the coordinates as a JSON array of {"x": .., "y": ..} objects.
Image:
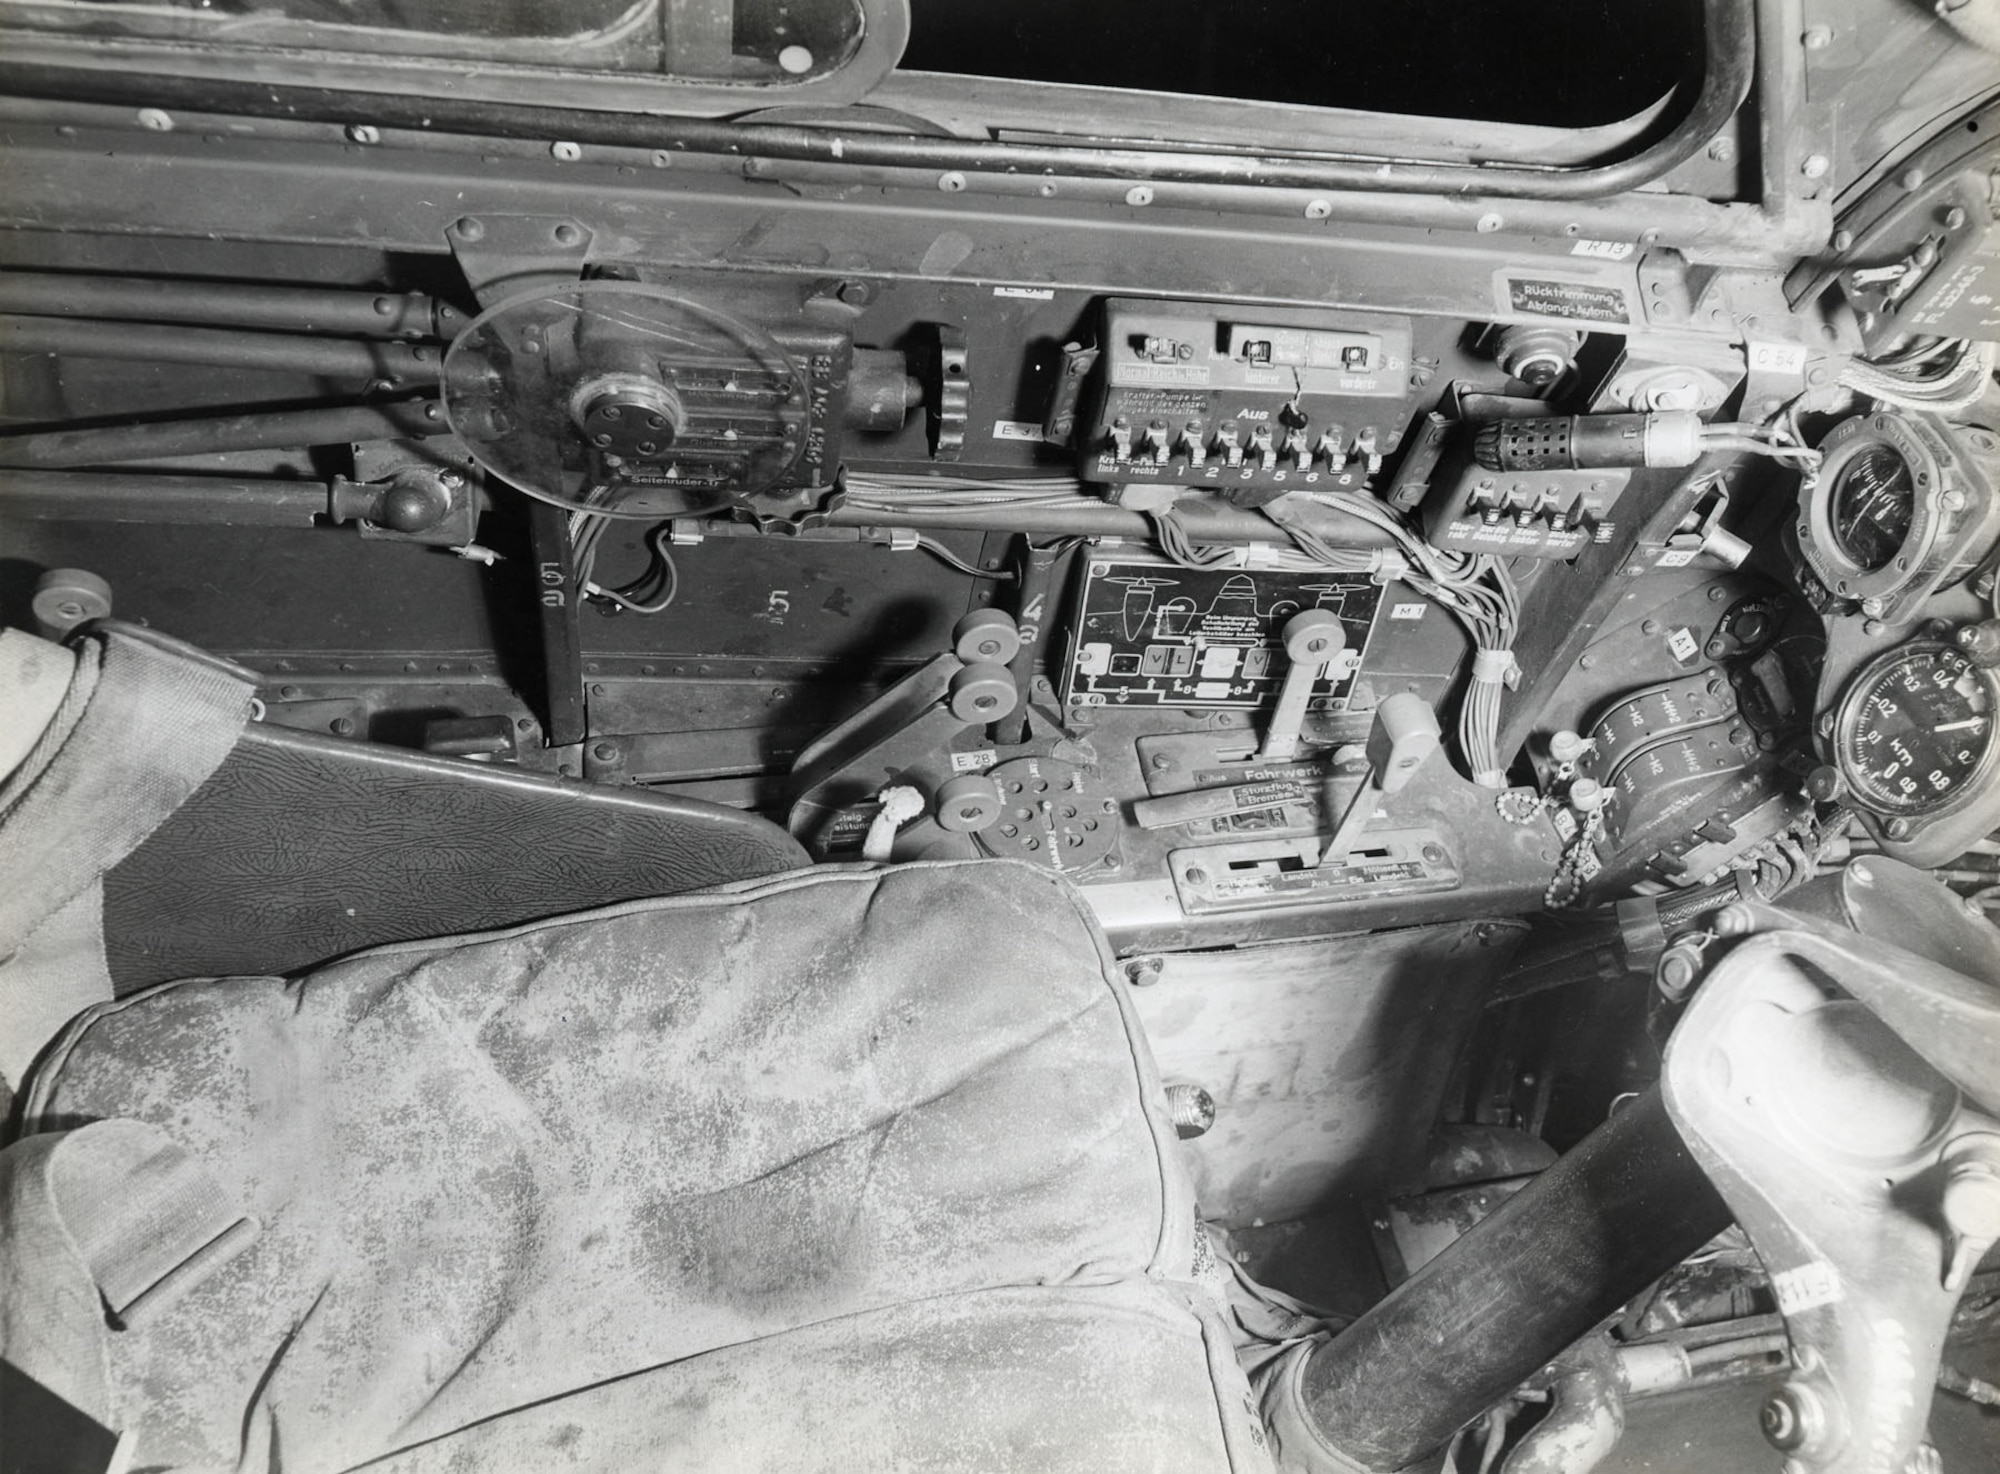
[{"x": 1915, "y": 732}]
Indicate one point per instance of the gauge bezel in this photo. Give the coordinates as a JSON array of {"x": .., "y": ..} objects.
[
  {"x": 1847, "y": 718},
  {"x": 1912, "y": 559}
]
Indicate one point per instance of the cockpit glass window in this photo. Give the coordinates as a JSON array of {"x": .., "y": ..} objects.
[
  {"x": 1555, "y": 63},
  {"x": 727, "y": 41}
]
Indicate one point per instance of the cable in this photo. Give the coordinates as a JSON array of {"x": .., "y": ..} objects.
[
  {"x": 946, "y": 556},
  {"x": 587, "y": 532}
]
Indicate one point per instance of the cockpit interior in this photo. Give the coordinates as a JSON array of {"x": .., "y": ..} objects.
[{"x": 821, "y": 735}]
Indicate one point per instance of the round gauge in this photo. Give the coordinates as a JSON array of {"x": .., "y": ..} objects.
[
  {"x": 1872, "y": 503},
  {"x": 626, "y": 399},
  {"x": 1888, "y": 513},
  {"x": 1915, "y": 732}
]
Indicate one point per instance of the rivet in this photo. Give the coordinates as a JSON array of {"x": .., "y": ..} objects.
[
  {"x": 363, "y": 133},
  {"x": 563, "y": 151},
  {"x": 156, "y": 119},
  {"x": 1139, "y": 194}
]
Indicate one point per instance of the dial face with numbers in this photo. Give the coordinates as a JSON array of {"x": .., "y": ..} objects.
[{"x": 1916, "y": 731}]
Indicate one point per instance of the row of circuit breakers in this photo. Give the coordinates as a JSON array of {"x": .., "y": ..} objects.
[{"x": 1298, "y": 400}]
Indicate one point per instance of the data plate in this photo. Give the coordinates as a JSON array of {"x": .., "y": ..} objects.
[
  {"x": 1257, "y": 875},
  {"x": 1150, "y": 633}
]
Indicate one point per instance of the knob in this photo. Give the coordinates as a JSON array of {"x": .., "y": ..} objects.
[
  {"x": 968, "y": 803},
  {"x": 986, "y": 634},
  {"x": 982, "y": 692},
  {"x": 66, "y": 597}
]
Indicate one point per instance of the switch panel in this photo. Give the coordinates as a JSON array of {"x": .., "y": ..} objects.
[
  {"x": 1524, "y": 514},
  {"x": 1250, "y": 405}
]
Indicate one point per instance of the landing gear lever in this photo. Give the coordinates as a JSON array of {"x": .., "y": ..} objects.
[{"x": 1405, "y": 733}]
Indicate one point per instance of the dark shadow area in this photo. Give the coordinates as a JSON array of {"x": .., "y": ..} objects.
[{"x": 1568, "y": 63}]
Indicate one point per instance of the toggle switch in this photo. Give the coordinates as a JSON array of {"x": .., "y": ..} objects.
[
  {"x": 1313, "y": 637},
  {"x": 1404, "y": 734}
]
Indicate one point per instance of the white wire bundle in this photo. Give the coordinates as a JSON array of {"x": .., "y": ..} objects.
[
  {"x": 888, "y": 493},
  {"x": 1779, "y": 440},
  {"x": 1940, "y": 375}
]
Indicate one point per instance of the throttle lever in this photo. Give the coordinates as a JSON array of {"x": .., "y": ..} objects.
[{"x": 1313, "y": 637}]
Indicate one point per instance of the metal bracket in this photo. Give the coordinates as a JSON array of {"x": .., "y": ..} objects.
[{"x": 501, "y": 255}]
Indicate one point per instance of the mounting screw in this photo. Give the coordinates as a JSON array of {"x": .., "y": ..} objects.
[
  {"x": 1143, "y": 972},
  {"x": 566, "y": 234},
  {"x": 1898, "y": 828},
  {"x": 1722, "y": 150},
  {"x": 363, "y": 133},
  {"x": 1911, "y": 178},
  {"x": 1818, "y": 38},
  {"x": 565, "y": 152},
  {"x": 467, "y": 228},
  {"x": 1815, "y": 166},
  {"x": 343, "y": 726},
  {"x": 1955, "y": 218},
  {"x": 605, "y": 752}
]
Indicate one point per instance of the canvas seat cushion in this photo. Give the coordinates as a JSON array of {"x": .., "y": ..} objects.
[{"x": 844, "y": 1168}]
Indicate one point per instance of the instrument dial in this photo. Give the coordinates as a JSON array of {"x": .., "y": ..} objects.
[
  {"x": 1915, "y": 731},
  {"x": 1874, "y": 501}
]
